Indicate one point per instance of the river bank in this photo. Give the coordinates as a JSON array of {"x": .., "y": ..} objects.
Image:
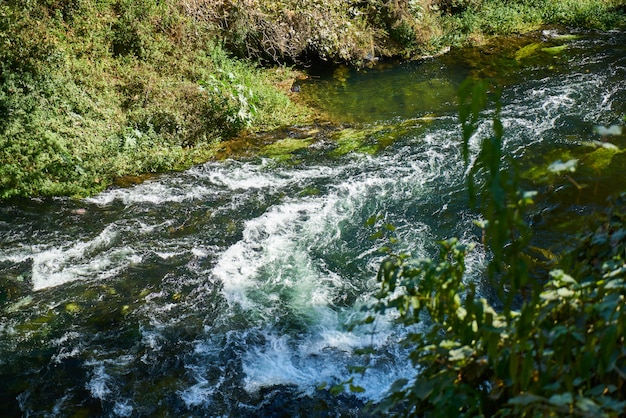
[
  {"x": 225, "y": 289},
  {"x": 94, "y": 91}
]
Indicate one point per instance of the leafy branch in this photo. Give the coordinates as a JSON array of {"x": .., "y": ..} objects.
[{"x": 549, "y": 346}]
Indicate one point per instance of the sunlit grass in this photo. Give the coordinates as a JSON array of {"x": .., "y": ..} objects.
[
  {"x": 95, "y": 90},
  {"x": 92, "y": 90}
]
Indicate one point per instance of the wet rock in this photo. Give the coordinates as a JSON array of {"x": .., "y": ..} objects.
[{"x": 15, "y": 281}]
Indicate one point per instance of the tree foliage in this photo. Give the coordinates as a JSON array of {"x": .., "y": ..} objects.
[{"x": 551, "y": 346}]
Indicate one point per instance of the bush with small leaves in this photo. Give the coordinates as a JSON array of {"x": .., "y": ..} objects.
[{"x": 542, "y": 347}]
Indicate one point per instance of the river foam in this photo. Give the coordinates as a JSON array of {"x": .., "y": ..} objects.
[{"x": 225, "y": 290}]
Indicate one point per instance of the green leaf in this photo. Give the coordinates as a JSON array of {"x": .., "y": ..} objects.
[
  {"x": 561, "y": 277},
  {"x": 614, "y": 284},
  {"x": 390, "y": 227},
  {"x": 376, "y": 235},
  {"x": 448, "y": 344},
  {"x": 589, "y": 406},
  {"x": 364, "y": 351},
  {"x": 551, "y": 387},
  {"x": 561, "y": 399},
  {"x": 613, "y": 404},
  {"x": 527, "y": 371},
  {"x": 555, "y": 50},
  {"x": 527, "y": 197},
  {"x": 513, "y": 367},
  {"x": 460, "y": 353},
  {"x": 527, "y": 51},
  {"x": 565, "y": 293},
  {"x": 357, "y": 369},
  {"x": 371, "y": 221},
  {"x": 607, "y": 349},
  {"x": 526, "y": 399},
  {"x": 356, "y": 389},
  {"x": 337, "y": 389},
  {"x": 398, "y": 385},
  {"x": 549, "y": 295},
  {"x": 423, "y": 390}
]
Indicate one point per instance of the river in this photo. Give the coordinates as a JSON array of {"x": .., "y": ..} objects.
[{"x": 225, "y": 290}]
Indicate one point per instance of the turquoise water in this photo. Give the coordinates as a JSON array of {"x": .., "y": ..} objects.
[{"x": 225, "y": 290}]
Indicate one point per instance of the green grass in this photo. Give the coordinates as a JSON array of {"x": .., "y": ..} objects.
[
  {"x": 91, "y": 90},
  {"x": 502, "y": 17}
]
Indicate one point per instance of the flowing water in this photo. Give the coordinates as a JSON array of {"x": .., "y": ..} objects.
[{"x": 225, "y": 290}]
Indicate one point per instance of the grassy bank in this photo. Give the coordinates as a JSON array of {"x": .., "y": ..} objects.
[
  {"x": 94, "y": 90},
  {"x": 359, "y": 32}
]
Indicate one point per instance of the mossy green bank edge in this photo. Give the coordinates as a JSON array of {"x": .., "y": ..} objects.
[{"x": 94, "y": 91}]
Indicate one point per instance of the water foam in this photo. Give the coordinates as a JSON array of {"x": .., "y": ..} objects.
[
  {"x": 97, "y": 258},
  {"x": 294, "y": 267},
  {"x": 164, "y": 190},
  {"x": 271, "y": 247},
  {"x": 234, "y": 175},
  {"x": 100, "y": 383},
  {"x": 275, "y": 274}
]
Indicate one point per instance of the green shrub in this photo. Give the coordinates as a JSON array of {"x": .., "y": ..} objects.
[
  {"x": 92, "y": 90},
  {"x": 289, "y": 31},
  {"x": 76, "y": 76},
  {"x": 457, "y": 6},
  {"x": 504, "y": 17},
  {"x": 551, "y": 346},
  {"x": 587, "y": 14}
]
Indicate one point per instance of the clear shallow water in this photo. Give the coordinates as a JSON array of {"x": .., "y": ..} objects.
[{"x": 225, "y": 290}]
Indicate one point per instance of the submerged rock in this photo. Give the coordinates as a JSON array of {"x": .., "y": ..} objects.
[{"x": 15, "y": 281}]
